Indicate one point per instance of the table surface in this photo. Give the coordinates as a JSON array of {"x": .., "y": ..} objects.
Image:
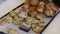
[
  {"x": 8, "y": 5},
  {"x": 53, "y": 28}
]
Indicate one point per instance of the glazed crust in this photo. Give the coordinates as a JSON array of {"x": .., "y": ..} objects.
[
  {"x": 17, "y": 22},
  {"x": 52, "y": 6},
  {"x": 42, "y": 24},
  {"x": 36, "y": 28},
  {"x": 40, "y": 16},
  {"x": 12, "y": 31},
  {"x": 34, "y": 2},
  {"x": 49, "y": 12},
  {"x": 32, "y": 13}
]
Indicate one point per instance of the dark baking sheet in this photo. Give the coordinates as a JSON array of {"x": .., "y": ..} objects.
[{"x": 43, "y": 28}]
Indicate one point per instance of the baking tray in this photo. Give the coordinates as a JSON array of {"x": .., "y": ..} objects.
[{"x": 44, "y": 27}]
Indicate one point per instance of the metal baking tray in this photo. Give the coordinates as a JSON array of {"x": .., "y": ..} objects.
[{"x": 44, "y": 27}]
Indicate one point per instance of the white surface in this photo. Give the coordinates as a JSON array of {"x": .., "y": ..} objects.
[
  {"x": 8, "y": 6},
  {"x": 54, "y": 27}
]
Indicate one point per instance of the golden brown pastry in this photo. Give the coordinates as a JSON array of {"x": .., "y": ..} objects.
[
  {"x": 4, "y": 22},
  {"x": 17, "y": 22},
  {"x": 40, "y": 9},
  {"x": 40, "y": 16},
  {"x": 32, "y": 13},
  {"x": 17, "y": 18},
  {"x": 41, "y": 6},
  {"x": 26, "y": 5},
  {"x": 49, "y": 12},
  {"x": 42, "y": 24},
  {"x": 55, "y": 8},
  {"x": 23, "y": 12},
  {"x": 8, "y": 19},
  {"x": 22, "y": 9},
  {"x": 41, "y": 3},
  {"x": 12, "y": 13},
  {"x": 32, "y": 8},
  {"x": 22, "y": 15},
  {"x": 36, "y": 28},
  {"x": 52, "y": 6},
  {"x": 49, "y": 5},
  {"x": 27, "y": 2},
  {"x": 12, "y": 31},
  {"x": 35, "y": 21},
  {"x": 28, "y": 20},
  {"x": 34, "y": 2}
]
